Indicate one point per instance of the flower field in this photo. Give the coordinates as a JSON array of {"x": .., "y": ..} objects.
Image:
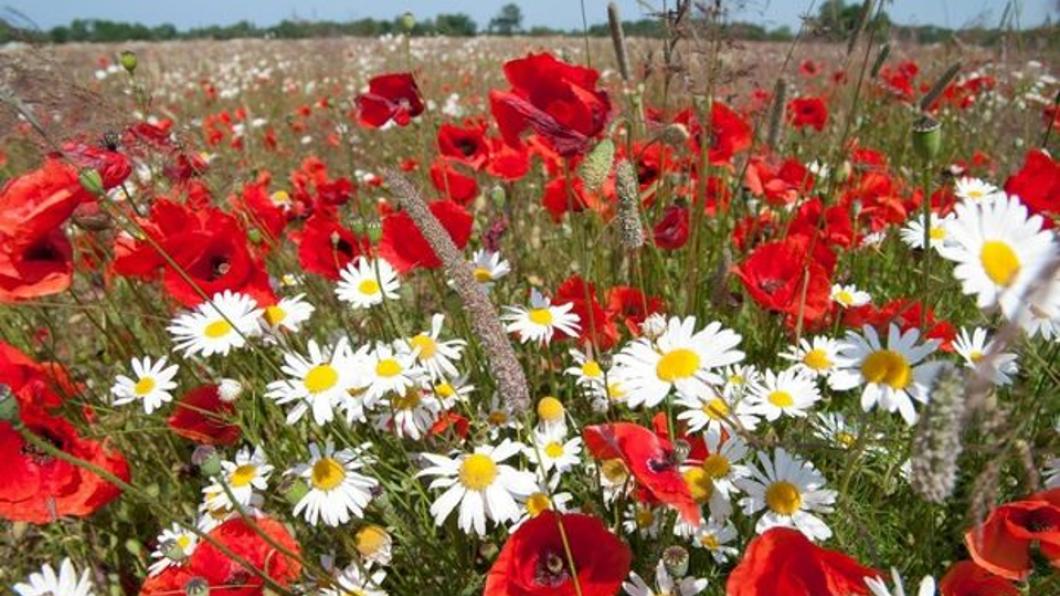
[{"x": 522, "y": 316}]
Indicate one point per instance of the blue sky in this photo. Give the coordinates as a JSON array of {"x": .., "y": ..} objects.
[{"x": 555, "y": 13}]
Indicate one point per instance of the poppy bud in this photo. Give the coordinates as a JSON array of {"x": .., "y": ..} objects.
[
  {"x": 675, "y": 559},
  {"x": 254, "y": 235},
  {"x": 8, "y": 404},
  {"x": 207, "y": 460},
  {"x": 128, "y": 60},
  {"x": 374, "y": 232},
  {"x": 597, "y": 165},
  {"x": 133, "y": 546},
  {"x": 293, "y": 489},
  {"x": 408, "y": 21},
  {"x": 498, "y": 196},
  {"x": 927, "y": 137},
  {"x": 92, "y": 181}
]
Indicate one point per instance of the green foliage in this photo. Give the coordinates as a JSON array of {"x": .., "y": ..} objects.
[{"x": 508, "y": 21}]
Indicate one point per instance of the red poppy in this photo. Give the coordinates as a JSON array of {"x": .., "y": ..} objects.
[
  {"x": 783, "y": 562},
  {"x": 808, "y": 111},
  {"x": 325, "y": 246},
  {"x": 965, "y": 578},
  {"x": 466, "y": 144},
  {"x": 453, "y": 183},
  {"x": 596, "y": 324},
  {"x": 404, "y": 246},
  {"x": 202, "y": 416},
  {"x": 559, "y": 198},
  {"x": 559, "y": 101},
  {"x": 631, "y": 306},
  {"x": 778, "y": 185},
  {"x": 506, "y": 162},
  {"x": 35, "y": 385},
  {"x": 450, "y": 421},
  {"x": 809, "y": 68},
  {"x": 650, "y": 458},
  {"x": 393, "y": 96},
  {"x": 39, "y": 488},
  {"x": 729, "y": 132},
  {"x": 1037, "y": 183},
  {"x": 1002, "y": 543},
  {"x": 534, "y": 560},
  {"x": 113, "y": 167},
  {"x": 260, "y": 211},
  {"x": 671, "y": 232},
  {"x": 831, "y": 226},
  {"x": 774, "y": 277},
  {"x": 313, "y": 188},
  {"x": 228, "y": 577}
]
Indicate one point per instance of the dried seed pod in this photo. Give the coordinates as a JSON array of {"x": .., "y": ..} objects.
[{"x": 937, "y": 442}]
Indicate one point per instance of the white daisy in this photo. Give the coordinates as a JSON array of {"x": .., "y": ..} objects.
[
  {"x": 218, "y": 326},
  {"x": 586, "y": 371},
  {"x": 975, "y": 190},
  {"x": 537, "y": 502},
  {"x": 409, "y": 414},
  {"x": 1041, "y": 309},
  {"x": 480, "y": 484},
  {"x": 499, "y": 417},
  {"x": 681, "y": 358},
  {"x": 712, "y": 481},
  {"x": 247, "y": 473},
  {"x": 1052, "y": 473},
  {"x": 451, "y": 391},
  {"x": 152, "y": 386},
  {"x": 834, "y": 429},
  {"x": 374, "y": 544},
  {"x": 738, "y": 377},
  {"x": 664, "y": 584},
  {"x": 287, "y": 315},
  {"x": 789, "y": 490},
  {"x": 551, "y": 452},
  {"x": 849, "y": 296},
  {"x": 364, "y": 283},
  {"x": 978, "y": 353},
  {"x": 893, "y": 376},
  {"x": 614, "y": 478},
  {"x": 551, "y": 416},
  {"x": 435, "y": 356},
  {"x": 643, "y": 520},
  {"x": 715, "y": 537},
  {"x": 388, "y": 369},
  {"x": 336, "y": 489},
  {"x": 47, "y": 583},
  {"x": 913, "y": 232},
  {"x": 539, "y": 322},
  {"x": 488, "y": 267},
  {"x": 878, "y": 586},
  {"x": 175, "y": 545},
  {"x": 814, "y": 358},
  {"x": 789, "y": 393},
  {"x": 320, "y": 381},
  {"x": 713, "y": 414},
  {"x": 1000, "y": 250},
  {"x": 356, "y": 580}
]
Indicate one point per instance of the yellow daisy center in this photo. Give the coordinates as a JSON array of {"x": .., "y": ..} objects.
[
  {"x": 410, "y": 400},
  {"x": 477, "y": 471},
  {"x": 888, "y": 367},
  {"x": 281, "y": 197},
  {"x": 614, "y": 470},
  {"x": 216, "y": 329},
  {"x": 845, "y": 439},
  {"x": 591, "y": 369},
  {"x": 783, "y": 497},
  {"x": 320, "y": 378},
  {"x": 709, "y": 541},
  {"x": 144, "y": 386},
  {"x": 444, "y": 389},
  {"x": 275, "y": 315},
  {"x": 426, "y": 345},
  {"x": 498, "y": 417},
  {"x": 817, "y": 359},
  {"x": 370, "y": 539},
  {"x": 388, "y": 367},
  {"x": 615, "y": 391},
  {"x": 975, "y": 356},
  {"x": 368, "y": 287},
  {"x": 243, "y": 475},
  {"x": 975, "y": 193},
  {"x": 716, "y": 409},
  {"x": 844, "y": 297},
  {"x": 717, "y": 466},
  {"x": 482, "y": 275},
  {"x": 781, "y": 399},
  {"x": 183, "y": 541},
  {"x": 644, "y": 518},
  {"x": 1000, "y": 262},
  {"x": 554, "y": 450},
  {"x": 737, "y": 379},
  {"x": 327, "y": 474},
  {"x": 540, "y": 316},
  {"x": 699, "y": 484},
  {"x": 537, "y": 503},
  {"x": 677, "y": 364},
  {"x": 937, "y": 233},
  {"x": 550, "y": 409}
]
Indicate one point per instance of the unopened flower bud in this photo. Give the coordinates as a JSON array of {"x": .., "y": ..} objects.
[
  {"x": 254, "y": 235},
  {"x": 207, "y": 460},
  {"x": 498, "y": 196},
  {"x": 674, "y": 135},
  {"x": 653, "y": 326},
  {"x": 408, "y": 21},
  {"x": 8, "y": 404},
  {"x": 128, "y": 60},
  {"x": 375, "y": 232},
  {"x": 91, "y": 181},
  {"x": 229, "y": 390}
]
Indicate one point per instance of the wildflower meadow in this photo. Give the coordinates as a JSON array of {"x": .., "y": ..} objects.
[{"x": 429, "y": 315}]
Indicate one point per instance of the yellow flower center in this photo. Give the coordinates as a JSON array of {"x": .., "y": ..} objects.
[
  {"x": 888, "y": 367},
  {"x": 550, "y": 409},
  {"x": 540, "y": 316},
  {"x": 716, "y": 409},
  {"x": 553, "y": 450},
  {"x": 717, "y": 466},
  {"x": 498, "y": 417},
  {"x": 216, "y": 329},
  {"x": 644, "y": 518},
  {"x": 781, "y": 399},
  {"x": 615, "y": 391},
  {"x": 370, "y": 539},
  {"x": 368, "y": 287},
  {"x": 845, "y": 439},
  {"x": 975, "y": 193},
  {"x": 482, "y": 275},
  {"x": 320, "y": 378},
  {"x": 783, "y": 497},
  {"x": 737, "y": 379},
  {"x": 477, "y": 472},
  {"x": 536, "y": 503},
  {"x": 937, "y": 233},
  {"x": 327, "y": 474},
  {"x": 817, "y": 359},
  {"x": 844, "y": 297},
  {"x": 243, "y": 475},
  {"x": 700, "y": 485},
  {"x": 1000, "y": 262},
  {"x": 281, "y": 197},
  {"x": 614, "y": 470},
  {"x": 709, "y": 541},
  {"x": 975, "y": 356},
  {"x": 388, "y": 367},
  {"x": 591, "y": 369},
  {"x": 677, "y": 364},
  {"x": 274, "y": 315},
  {"x": 144, "y": 386},
  {"x": 426, "y": 345},
  {"x": 444, "y": 389},
  {"x": 410, "y": 400}
]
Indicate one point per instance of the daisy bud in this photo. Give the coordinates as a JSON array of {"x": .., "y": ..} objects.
[
  {"x": 197, "y": 586},
  {"x": 653, "y": 326},
  {"x": 597, "y": 165},
  {"x": 128, "y": 60},
  {"x": 229, "y": 390},
  {"x": 628, "y": 190},
  {"x": 937, "y": 442},
  {"x": 91, "y": 181},
  {"x": 550, "y": 409},
  {"x": 675, "y": 559},
  {"x": 927, "y": 137},
  {"x": 206, "y": 459}
]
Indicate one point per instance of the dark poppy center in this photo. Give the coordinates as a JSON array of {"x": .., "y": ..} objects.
[
  {"x": 551, "y": 570},
  {"x": 466, "y": 146},
  {"x": 36, "y": 453},
  {"x": 1037, "y": 522},
  {"x": 662, "y": 462},
  {"x": 770, "y": 286},
  {"x": 219, "y": 266},
  {"x": 43, "y": 251}
]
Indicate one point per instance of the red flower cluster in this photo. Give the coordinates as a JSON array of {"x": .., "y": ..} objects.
[
  {"x": 390, "y": 97},
  {"x": 404, "y": 246},
  {"x": 1002, "y": 543},
  {"x": 782, "y": 561}
]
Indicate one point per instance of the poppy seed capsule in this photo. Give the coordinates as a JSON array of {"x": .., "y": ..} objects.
[
  {"x": 197, "y": 586},
  {"x": 128, "y": 60},
  {"x": 927, "y": 137},
  {"x": 408, "y": 21},
  {"x": 675, "y": 559},
  {"x": 675, "y": 134}
]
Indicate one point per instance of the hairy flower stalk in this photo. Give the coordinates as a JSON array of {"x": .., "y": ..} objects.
[
  {"x": 937, "y": 442},
  {"x": 618, "y": 38},
  {"x": 630, "y": 229},
  {"x": 511, "y": 380},
  {"x": 776, "y": 114},
  {"x": 596, "y": 166}
]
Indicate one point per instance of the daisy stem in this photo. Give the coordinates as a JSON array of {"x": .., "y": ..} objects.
[{"x": 925, "y": 265}]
